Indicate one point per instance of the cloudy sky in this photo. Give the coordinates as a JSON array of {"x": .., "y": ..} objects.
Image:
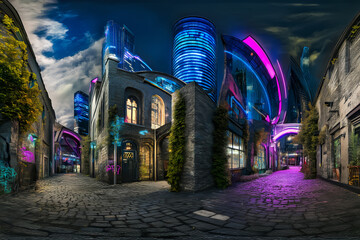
[{"x": 67, "y": 35}]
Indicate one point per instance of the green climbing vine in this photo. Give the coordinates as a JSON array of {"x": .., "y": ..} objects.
[{"x": 177, "y": 145}]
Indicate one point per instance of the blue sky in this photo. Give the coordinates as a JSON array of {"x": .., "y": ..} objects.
[{"x": 67, "y": 35}]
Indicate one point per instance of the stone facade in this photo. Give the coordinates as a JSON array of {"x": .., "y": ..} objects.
[
  {"x": 42, "y": 129},
  {"x": 116, "y": 87},
  {"x": 338, "y": 101},
  {"x": 198, "y": 136}
]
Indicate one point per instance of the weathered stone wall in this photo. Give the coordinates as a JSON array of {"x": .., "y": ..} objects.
[
  {"x": 341, "y": 86},
  {"x": 198, "y": 134},
  {"x": 117, "y": 85}
]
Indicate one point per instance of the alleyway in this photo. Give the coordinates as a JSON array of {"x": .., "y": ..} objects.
[{"x": 279, "y": 205}]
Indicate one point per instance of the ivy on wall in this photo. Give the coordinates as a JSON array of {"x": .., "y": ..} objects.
[
  {"x": 354, "y": 149},
  {"x": 177, "y": 145},
  {"x": 220, "y": 171},
  {"x": 19, "y": 92},
  {"x": 309, "y": 138},
  {"x": 85, "y": 154}
]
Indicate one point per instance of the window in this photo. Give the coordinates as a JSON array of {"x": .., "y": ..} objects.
[
  {"x": 261, "y": 157},
  {"x": 131, "y": 110},
  {"x": 235, "y": 151},
  {"x": 157, "y": 112}
]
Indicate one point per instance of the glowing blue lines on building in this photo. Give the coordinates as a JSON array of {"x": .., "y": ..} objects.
[{"x": 194, "y": 53}]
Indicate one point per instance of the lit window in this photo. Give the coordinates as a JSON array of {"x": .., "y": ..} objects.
[
  {"x": 235, "y": 151},
  {"x": 157, "y": 112},
  {"x": 131, "y": 110}
]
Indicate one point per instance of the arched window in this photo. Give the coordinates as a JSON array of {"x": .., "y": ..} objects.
[
  {"x": 131, "y": 110},
  {"x": 157, "y": 112}
]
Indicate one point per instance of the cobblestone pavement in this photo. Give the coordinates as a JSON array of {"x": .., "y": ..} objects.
[{"x": 276, "y": 206}]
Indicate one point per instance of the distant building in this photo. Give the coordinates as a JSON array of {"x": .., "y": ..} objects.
[
  {"x": 338, "y": 103},
  {"x": 194, "y": 53},
  {"x": 36, "y": 149},
  {"x": 299, "y": 93},
  {"x": 119, "y": 45},
  {"x": 305, "y": 68},
  {"x": 81, "y": 113},
  {"x": 67, "y": 150},
  {"x": 253, "y": 93}
]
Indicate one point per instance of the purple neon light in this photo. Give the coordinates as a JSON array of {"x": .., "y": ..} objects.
[
  {"x": 95, "y": 80},
  {"x": 286, "y": 131},
  {"x": 267, "y": 118},
  {"x": 72, "y": 134},
  {"x": 260, "y": 52}
]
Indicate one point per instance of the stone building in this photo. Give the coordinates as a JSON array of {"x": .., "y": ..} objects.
[
  {"x": 338, "y": 103},
  {"x": 34, "y": 150},
  {"x": 143, "y": 101}
]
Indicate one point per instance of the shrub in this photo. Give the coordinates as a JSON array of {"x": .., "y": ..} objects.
[
  {"x": 19, "y": 92},
  {"x": 309, "y": 138},
  {"x": 220, "y": 170}
]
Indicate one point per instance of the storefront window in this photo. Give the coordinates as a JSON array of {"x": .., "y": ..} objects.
[{"x": 235, "y": 151}]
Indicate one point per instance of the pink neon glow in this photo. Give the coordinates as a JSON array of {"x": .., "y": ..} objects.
[
  {"x": 286, "y": 131},
  {"x": 72, "y": 134},
  {"x": 267, "y": 118},
  {"x": 111, "y": 168},
  {"x": 28, "y": 156},
  {"x": 94, "y": 80},
  {"x": 260, "y": 52}
]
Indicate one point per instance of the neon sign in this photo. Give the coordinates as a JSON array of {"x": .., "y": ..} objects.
[{"x": 111, "y": 168}]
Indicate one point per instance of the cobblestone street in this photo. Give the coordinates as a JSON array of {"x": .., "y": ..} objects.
[{"x": 279, "y": 205}]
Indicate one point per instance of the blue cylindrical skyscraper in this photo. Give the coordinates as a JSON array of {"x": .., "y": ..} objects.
[{"x": 194, "y": 53}]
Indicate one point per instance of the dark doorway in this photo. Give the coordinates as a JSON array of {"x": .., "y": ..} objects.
[{"x": 129, "y": 168}]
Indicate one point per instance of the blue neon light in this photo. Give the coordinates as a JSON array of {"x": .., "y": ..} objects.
[
  {"x": 194, "y": 53},
  {"x": 257, "y": 77},
  {"x": 143, "y": 132},
  {"x": 233, "y": 99}
]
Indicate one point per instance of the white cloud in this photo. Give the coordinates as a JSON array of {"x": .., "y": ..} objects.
[
  {"x": 62, "y": 77},
  {"x": 314, "y": 55},
  {"x": 32, "y": 16},
  {"x": 71, "y": 74},
  {"x": 308, "y": 15}
]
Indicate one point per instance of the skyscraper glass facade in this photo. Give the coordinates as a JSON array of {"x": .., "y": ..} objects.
[
  {"x": 119, "y": 45},
  {"x": 194, "y": 53},
  {"x": 251, "y": 86},
  {"x": 81, "y": 113}
]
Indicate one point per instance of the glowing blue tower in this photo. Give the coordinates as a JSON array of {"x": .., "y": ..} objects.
[
  {"x": 194, "y": 53},
  {"x": 119, "y": 45},
  {"x": 81, "y": 113}
]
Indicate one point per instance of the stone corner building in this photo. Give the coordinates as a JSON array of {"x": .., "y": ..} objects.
[
  {"x": 36, "y": 152},
  {"x": 338, "y": 103},
  {"x": 145, "y": 106}
]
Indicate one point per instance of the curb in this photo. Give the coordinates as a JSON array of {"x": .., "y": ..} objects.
[{"x": 343, "y": 185}]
